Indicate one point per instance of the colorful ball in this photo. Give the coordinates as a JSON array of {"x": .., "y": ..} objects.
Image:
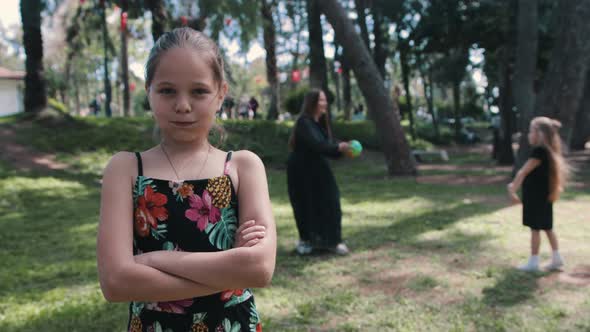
[{"x": 355, "y": 148}]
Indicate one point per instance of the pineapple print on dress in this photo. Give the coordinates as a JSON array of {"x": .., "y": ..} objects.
[
  {"x": 220, "y": 190},
  {"x": 135, "y": 325},
  {"x": 199, "y": 323}
]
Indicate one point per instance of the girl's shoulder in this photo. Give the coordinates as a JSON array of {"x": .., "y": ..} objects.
[
  {"x": 121, "y": 160},
  {"x": 244, "y": 163},
  {"x": 246, "y": 158}
]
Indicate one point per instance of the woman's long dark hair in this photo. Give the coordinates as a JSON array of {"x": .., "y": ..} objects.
[{"x": 309, "y": 107}]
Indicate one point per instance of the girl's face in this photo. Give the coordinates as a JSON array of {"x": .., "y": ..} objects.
[
  {"x": 534, "y": 136},
  {"x": 322, "y": 105},
  {"x": 184, "y": 95}
]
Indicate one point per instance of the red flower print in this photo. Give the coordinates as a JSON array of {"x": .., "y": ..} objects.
[
  {"x": 202, "y": 211},
  {"x": 259, "y": 327},
  {"x": 176, "y": 307},
  {"x": 150, "y": 209},
  {"x": 226, "y": 295}
]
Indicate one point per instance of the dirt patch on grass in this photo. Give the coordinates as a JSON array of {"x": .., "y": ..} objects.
[
  {"x": 24, "y": 158},
  {"x": 579, "y": 276},
  {"x": 460, "y": 179}
]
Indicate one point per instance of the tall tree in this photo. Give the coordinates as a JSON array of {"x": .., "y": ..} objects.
[
  {"x": 581, "y": 131},
  {"x": 318, "y": 74},
  {"x": 127, "y": 111},
  {"x": 525, "y": 67},
  {"x": 268, "y": 25},
  {"x": 318, "y": 68},
  {"x": 566, "y": 75},
  {"x": 404, "y": 50},
  {"x": 382, "y": 109},
  {"x": 35, "y": 85},
  {"x": 159, "y": 17},
  {"x": 107, "y": 79}
]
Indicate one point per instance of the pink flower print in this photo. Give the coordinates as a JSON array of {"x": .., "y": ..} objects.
[{"x": 202, "y": 211}]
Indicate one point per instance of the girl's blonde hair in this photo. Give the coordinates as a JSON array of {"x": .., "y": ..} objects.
[{"x": 559, "y": 170}]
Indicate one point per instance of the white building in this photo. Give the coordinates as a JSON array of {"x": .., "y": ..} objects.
[{"x": 11, "y": 91}]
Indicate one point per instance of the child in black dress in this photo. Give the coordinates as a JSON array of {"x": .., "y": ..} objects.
[{"x": 542, "y": 178}]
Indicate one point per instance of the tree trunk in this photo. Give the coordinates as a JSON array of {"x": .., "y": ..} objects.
[
  {"x": 403, "y": 56},
  {"x": 504, "y": 153},
  {"x": 566, "y": 75},
  {"x": 317, "y": 68},
  {"x": 35, "y": 84},
  {"x": 127, "y": 111},
  {"x": 159, "y": 17},
  {"x": 268, "y": 23},
  {"x": 346, "y": 95},
  {"x": 336, "y": 76},
  {"x": 107, "y": 80},
  {"x": 362, "y": 22},
  {"x": 381, "y": 40},
  {"x": 427, "y": 85},
  {"x": 581, "y": 132},
  {"x": 457, "y": 108},
  {"x": 382, "y": 109},
  {"x": 524, "y": 71}
]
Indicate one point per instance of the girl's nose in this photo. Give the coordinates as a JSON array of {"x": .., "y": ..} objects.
[{"x": 183, "y": 105}]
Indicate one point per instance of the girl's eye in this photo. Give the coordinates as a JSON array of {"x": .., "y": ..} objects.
[
  {"x": 166, "y": 91},
  {"x": 200, "y": 91}
]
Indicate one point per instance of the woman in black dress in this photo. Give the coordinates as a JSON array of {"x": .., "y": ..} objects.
[{"x": 312, "y": 187}]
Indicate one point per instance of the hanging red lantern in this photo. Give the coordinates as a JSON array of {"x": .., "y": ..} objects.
[
  {"x": 228, "y": 21},
  {"x": 123, "y": 21},
  {"x": 184, "y": 20},
  {"x": 339, "y": 70},
  {"x": 296, "y": 76},
  {"x": 81, "y": 2},
  {"x": 132, "y": 86}
]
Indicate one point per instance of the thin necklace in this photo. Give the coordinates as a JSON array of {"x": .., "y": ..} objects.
[{"x": 174, "y": 169}]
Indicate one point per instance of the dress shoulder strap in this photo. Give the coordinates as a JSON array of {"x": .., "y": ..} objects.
[
  {"x": 227, "y": 161},
  {"x": 139, "y": 164}
]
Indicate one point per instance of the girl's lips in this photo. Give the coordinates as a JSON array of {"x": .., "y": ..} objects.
[{"x": 183, "y": 123}]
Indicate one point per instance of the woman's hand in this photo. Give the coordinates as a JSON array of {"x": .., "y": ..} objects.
[
  {"x": 248, "y": 234},
  {"x": 343, "y": 147}
]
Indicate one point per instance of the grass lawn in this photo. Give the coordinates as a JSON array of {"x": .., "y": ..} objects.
[{"x": 427, "y": 255}]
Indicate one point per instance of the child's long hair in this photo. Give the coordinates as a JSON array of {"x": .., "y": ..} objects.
[
  {"x": 559, "y": 170},
  {"x": 310, "y": 103}
]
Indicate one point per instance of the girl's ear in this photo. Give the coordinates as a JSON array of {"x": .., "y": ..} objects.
[{"x": 222, "y": 93}]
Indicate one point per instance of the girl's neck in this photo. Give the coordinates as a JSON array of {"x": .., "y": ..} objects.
[{"x": 183, "y": 148}]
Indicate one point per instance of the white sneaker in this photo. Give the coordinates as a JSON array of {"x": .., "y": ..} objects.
[
  {"x": 529, "y": 267},
  {"x": 555, "y": 264},
  {"x": 341, "y": 249},
  {"x": 303, "y": 248}
]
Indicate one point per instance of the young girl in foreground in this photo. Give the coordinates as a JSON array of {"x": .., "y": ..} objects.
[
  {"x": 186, "y": 229},
  {"x": 542, "y": 178}
]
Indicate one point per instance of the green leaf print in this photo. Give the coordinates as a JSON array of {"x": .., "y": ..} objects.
[
  {"x": 238, "y": 299},
  {"x": 160, "y": 232},
  {"x": 140, "y": 185},
  {"x": 228, "y": 327},
  {"x": 254, "y": 318},
  {"x": 221, "y": 234},
  {"x": 157, "y": 327},
  {"x": 169, "y": 246}
]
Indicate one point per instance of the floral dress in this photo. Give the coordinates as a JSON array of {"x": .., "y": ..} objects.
[{"x": 194, "y": 216}]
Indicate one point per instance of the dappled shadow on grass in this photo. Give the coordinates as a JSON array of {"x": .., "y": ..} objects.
[
  {"x": 86, "y": 314},
  {"x": 51, "y": 242},
  {"x": 512, "y": 287}
]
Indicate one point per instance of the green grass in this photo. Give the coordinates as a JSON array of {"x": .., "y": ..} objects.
[{"x": 426, "y": 257}]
